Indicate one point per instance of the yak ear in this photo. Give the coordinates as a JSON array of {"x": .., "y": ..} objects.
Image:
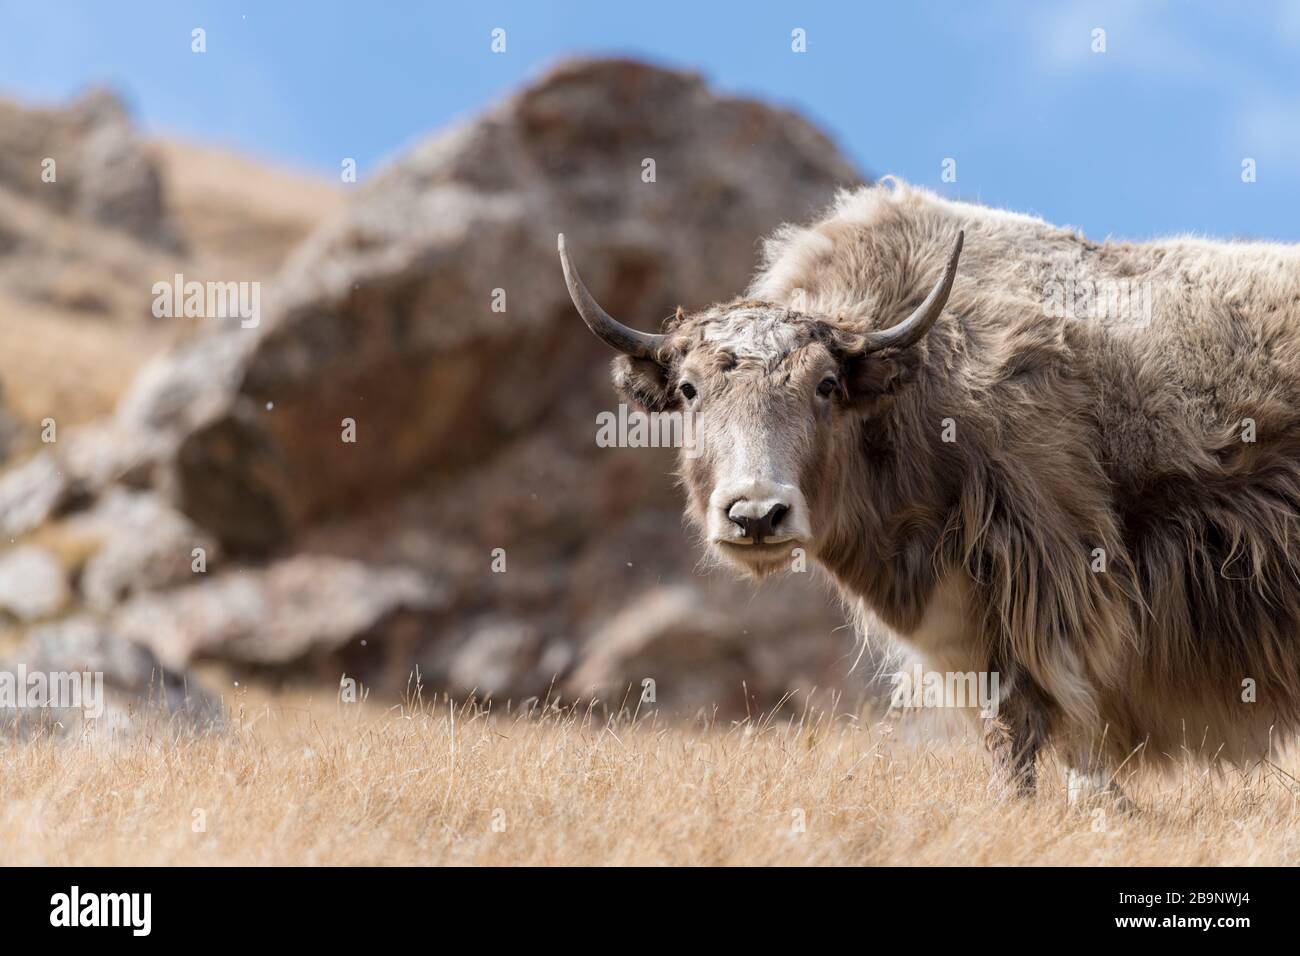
[
  {"x": 644, "y": 383},
  {"x": 872, "y": 376}
]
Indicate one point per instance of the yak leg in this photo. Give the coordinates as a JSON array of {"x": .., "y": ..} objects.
[
  {"x": 1015, "y": 748},
  {"x": 1018, "y": 731}
]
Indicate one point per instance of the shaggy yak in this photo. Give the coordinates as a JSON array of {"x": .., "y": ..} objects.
[{"x": 1102, "y": 509}]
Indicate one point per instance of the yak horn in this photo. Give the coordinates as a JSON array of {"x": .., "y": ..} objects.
[
  {"x": 912, "y": 328},
  {"x": 608, "y": 329}
]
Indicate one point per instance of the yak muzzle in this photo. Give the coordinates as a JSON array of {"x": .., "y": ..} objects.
[
  {"x": 755, "y": 527},
  {"x": 756, "y": 518}
]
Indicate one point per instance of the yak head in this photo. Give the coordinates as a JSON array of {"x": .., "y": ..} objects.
[{"x": 772, "y": 400}]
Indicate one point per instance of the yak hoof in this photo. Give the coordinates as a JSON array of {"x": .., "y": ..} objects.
[{"x": 1091, "y": 789}]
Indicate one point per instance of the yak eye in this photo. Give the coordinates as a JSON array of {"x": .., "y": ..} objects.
[
  {"x": 826, "y": 387},
  {"x": 688, "y": 390}
]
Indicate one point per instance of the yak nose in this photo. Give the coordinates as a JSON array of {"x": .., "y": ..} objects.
[{"x": 758, "y": 519}]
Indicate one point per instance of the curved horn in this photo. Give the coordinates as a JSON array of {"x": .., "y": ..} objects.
[
  {"x": 608, "y": 329},
  {"x": 912, "y": 328}
]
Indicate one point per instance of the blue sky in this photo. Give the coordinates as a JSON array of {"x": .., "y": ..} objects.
[{"x": 1144, "y": 139}]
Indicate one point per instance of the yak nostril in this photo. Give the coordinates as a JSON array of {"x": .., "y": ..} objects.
[{"x": 773, "y": 517}]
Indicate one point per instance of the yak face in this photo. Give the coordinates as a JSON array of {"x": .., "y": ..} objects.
[
  {"x": 764, "y": 391},
  {"x": 773, "y": 398}
]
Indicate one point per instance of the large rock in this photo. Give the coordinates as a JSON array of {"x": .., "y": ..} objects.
[
  {"x": 705, "y": 644},
  {"x": 386, "y": 316},
  {"x": 70, "y": 474},
  {"x": 118, "y": 684},
  {"x": 32, "y": 584},
  {"x": 295, "y": 610},
  {"x": 139, "y": 544}
]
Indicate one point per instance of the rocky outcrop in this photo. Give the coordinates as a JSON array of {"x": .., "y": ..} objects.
[
  {"x": 387, "y": 317},
  {"x": 137, "y": 544},
  {"x": 85, "y": 160},
  {"x": 32, "y": 584},
  {"x": 302, "y": 608},
  {"x": 74, "y": 676}
]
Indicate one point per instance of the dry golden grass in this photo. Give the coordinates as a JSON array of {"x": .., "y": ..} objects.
[
  {"x": 292, "y": 782},
  {"x": 73, "y": 369}
]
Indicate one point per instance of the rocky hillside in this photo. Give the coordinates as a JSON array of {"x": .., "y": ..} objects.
[
  {"x": 91, "y": 215},
  {"x": 472, "y": 531}
]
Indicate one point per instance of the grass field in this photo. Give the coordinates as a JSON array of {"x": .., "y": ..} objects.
[{"x": 292, "y": 781}]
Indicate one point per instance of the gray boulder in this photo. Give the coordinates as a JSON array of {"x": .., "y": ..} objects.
[
  {"x": 289, "y": 613},
  {"x": 73, "y": 675},
  {"x": 32, "y": 583}
]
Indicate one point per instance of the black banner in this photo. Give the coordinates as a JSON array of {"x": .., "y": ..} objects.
[{"x": 365, "y": 906}]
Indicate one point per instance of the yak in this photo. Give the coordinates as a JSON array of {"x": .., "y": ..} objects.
[{"x": 1012, "y": 466}]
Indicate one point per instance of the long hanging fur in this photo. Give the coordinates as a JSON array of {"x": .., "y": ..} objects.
[{"x": 1076, "y": 437}]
